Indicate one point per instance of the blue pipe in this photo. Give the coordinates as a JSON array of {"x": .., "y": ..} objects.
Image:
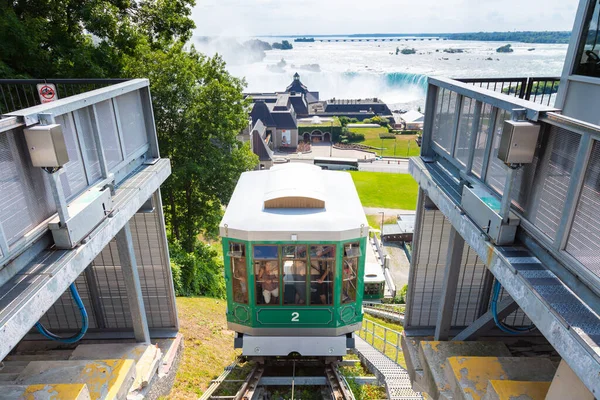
[
  {"x": 84, "y": 320},
  {"x": 513, "y": 330}
]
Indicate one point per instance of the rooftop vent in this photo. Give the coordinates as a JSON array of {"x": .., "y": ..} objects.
[{"x": 295, "y": 185}]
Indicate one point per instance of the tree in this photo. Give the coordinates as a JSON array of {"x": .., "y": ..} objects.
[
  {"x": 199, "y": 108},
  {"x": 84, "y": 39}
]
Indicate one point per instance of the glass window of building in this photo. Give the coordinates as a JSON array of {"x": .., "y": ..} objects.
[
  {"x": 322, "y": 269},
  {"x": 239, "y": 273},
  {"x": 294, "y": 274},
  {"x": 266, "y": 272},
  {"x": 588, "y": 55},
  {"x": 350, "y": 272}
]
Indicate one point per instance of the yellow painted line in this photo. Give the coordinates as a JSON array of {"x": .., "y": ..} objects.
[
  {"x": 57, "y": 391},
  {"x": 523, "y": 390},
  {"x": 473, "y": 373},
  {"x": 105, "y": 376}
]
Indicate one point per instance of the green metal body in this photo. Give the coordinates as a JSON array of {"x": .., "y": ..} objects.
[{"x": 301, "y": 318}]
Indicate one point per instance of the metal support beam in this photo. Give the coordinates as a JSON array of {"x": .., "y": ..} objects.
[
  {"x": 95, "y": 299},
  {"x": 132, "y": 284},
  {"x": 59, "y": 196},
  {"x": 456, "y": 245},
  {"x": 486, "y": 321},
  {"x": 96, "y": 131},
  {"x": 415, "y": 253}
]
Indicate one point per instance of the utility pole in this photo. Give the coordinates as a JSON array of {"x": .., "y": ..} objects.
[{"x": 382, "y": 216}]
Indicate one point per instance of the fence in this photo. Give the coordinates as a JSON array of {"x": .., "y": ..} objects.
[
  {"x": 16, "y": 94},
  {"x": 538, "y": 90},
  {"x": 384, "y": 339}
]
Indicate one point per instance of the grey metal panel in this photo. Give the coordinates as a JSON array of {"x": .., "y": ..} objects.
[
  {"x": 482, "y": 139},
  {"x": 584, "y": 238},
  {"x": 465, "y": 127},
  {"x": 428, "y": 274},
  {"x": 74, "y": 180},
  {"x": 109, "y": 134},
  {"x": 87, "y": 143},
  {"x": 25, "y": 196},
  {"x": 551, "y": 181},
  {"x": 132, "y": 121},
  {"x": 443, "y": 130}
]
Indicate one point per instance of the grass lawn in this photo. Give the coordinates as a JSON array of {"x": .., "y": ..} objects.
[
  {"x": 208, "y": 345},
  {"x": 392, "y": 337},
  {"x": 375, "y": 220},
  {"x": 382, "y": 189},
  {"x": 405, "y": 145}
]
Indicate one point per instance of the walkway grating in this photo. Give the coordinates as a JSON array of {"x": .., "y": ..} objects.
[{"x": 397, "y": 381}]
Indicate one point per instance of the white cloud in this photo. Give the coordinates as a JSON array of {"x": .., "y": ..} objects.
[{"x": 286, "y": 17}]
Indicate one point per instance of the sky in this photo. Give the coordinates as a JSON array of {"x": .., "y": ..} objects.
[{"x": 289, "y": 17}]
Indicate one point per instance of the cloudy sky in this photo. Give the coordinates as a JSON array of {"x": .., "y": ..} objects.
[{"x": 289, "y": 17}]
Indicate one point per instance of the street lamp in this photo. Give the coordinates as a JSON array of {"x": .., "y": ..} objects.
[{"x": 382, "y": 216}]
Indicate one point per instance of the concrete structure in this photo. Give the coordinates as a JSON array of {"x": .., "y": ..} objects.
[
  {"x": 119, "y": 261},
  {"x": 467, "y": 280}
]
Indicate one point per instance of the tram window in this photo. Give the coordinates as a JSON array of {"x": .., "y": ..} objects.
[
  {"x": 350, "y": 272},
  {"x": 322, "y": 268},
  {"x": 266, "y": 272},
  {"x": 294, "y": 274},
  {"x": 237, "y": 253},
  {"x": 588, "y": 55}
]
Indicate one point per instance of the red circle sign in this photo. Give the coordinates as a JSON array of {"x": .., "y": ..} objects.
[{"x": 47, "y": 92}]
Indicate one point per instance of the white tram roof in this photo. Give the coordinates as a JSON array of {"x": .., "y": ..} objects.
[
  {"x": 373, "y": 272},
  {"x": 294, "y": 199}
]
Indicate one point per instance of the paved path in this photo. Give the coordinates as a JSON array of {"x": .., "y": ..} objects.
[
  {"x": 399, "y": 265},
  {"x": 390, "y": 166},
  {"x": 325, "y": 150},
  {"x": 397, "y": 381},
  {"x": 386, "y": 211}
]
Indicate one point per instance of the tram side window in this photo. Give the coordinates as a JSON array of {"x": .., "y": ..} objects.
[
  {"x": 350, "y": 272},
  {"x": 322, "y": 268},
  {"x": 237, "y": 257},
  {"x": 266, "y": 272},
  {"x": 294, "y": 274}
]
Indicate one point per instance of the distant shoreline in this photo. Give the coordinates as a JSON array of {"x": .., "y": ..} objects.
[{"x": 548, "y": 37}]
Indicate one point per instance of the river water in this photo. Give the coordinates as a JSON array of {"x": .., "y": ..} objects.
[{"x": 372, "y": 69}]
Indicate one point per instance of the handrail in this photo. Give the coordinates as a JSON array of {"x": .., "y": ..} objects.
[
  {"x": 381, "y": 342},
  {"x": 496, "y": 99}
]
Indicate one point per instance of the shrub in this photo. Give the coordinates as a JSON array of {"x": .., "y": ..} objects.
[
  {"x": 387, "y": 136},
  {"x": 198, "y": 273}
]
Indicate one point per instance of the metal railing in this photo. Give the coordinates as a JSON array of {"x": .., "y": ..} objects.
[
  {"x": 384, "y": 339},
  {"x": 540, "y": 90},
  {"x": 16, "y": 94},
  {"x": 555, "y": 196}
]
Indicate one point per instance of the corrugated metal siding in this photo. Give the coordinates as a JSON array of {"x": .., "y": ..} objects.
[
  {"x": 584, "y": 239},
  {"x": 552, "y": 178},
  {"x": 88, "y": 144},
  {"x": 25, "y": 195},
  {"x": 106, "y": 276},
  {"x": 109, "y": 134},
  {"x": 482, "y": 135},
  {"x": 444, "y": 126},
  {"x": 465, "y": 128},
  {"x": 428, "y": 275},
  {"x": 131, "y": 114}
]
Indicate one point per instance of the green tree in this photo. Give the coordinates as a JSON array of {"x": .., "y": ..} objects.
[
  {"x": 198, "y": 106},
  {"x": 199, "y": 109}
]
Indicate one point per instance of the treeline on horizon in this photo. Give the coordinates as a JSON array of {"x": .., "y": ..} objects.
[{"x": 517, "y": 36}]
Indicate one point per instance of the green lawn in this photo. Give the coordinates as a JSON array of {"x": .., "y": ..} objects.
[
  {"x": 382, "y": 189},
  {"x": 402, "y": 146}
]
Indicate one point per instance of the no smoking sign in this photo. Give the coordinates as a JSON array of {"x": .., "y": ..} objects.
[{"x": 47, "y": 92}]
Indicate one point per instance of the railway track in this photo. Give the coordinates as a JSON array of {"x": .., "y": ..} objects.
[{"x": 260, "y": 382}]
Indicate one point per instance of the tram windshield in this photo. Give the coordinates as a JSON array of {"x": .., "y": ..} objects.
[
  {"x": 322, "y": 268},
  {"x": 350, "y": 272},
  {"x": 237, "y": 252}
]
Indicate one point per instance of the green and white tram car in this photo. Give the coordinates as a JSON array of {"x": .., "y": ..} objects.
[
  {"x": 294, "y": 242},
  {"x": 374, "y": 282}
]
